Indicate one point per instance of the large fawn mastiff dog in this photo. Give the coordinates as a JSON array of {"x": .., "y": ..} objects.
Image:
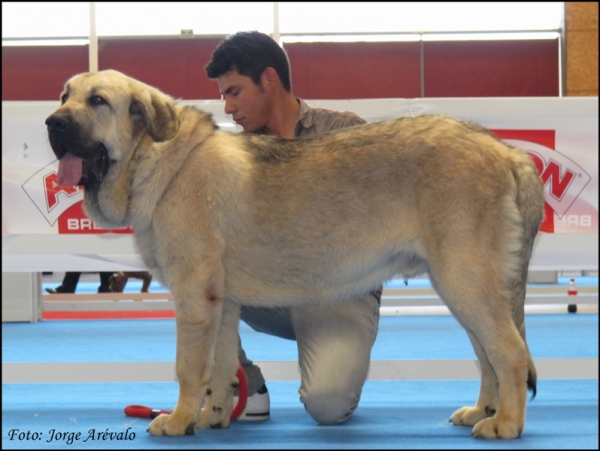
[{"x": 225, "y": 219}]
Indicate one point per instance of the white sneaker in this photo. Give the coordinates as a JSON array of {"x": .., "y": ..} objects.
[{"x": 257, "y": 406}]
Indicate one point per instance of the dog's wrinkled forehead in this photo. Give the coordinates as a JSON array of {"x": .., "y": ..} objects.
[{"x": 85, "y": 86}]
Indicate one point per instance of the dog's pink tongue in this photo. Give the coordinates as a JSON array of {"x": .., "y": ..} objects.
[{"x": 70, "y": 169}]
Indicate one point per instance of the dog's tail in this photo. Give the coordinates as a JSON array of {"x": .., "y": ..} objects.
[{"x": 530, "y": 203}]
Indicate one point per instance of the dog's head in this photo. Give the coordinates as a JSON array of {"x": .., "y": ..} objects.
[
  {"x": 117, "y": 282},
  {"x": 102, "y": 117}
]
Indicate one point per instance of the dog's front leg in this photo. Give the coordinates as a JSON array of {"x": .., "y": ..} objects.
[
  {"x": 217, "y": 409},
  {"x": 197, "y": 325}
]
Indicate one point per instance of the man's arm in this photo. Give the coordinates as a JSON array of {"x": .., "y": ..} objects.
[{"x": 313, "y": 121}]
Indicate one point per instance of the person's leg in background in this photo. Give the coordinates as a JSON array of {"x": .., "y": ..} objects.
[
  {"x": 69, "y": 284},
  {"x": 334, "y": 347},
  {"x": 272, "y": 321},
  {"x": 104, "y": 282}
]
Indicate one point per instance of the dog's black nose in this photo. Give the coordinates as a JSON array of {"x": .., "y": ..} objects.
[{"x": 57, "y": 122}]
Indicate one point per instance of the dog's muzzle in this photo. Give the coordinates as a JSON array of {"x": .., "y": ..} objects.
[{"x": 81, "y": 161}]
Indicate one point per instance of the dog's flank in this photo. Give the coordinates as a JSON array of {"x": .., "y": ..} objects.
[{"x": 227, "y": 219}]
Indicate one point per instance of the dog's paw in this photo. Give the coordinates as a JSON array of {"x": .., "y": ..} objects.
[
  {"x": 214, "y": 416},
  {"x": 168, "y": 425},
  {"x": 468, "y": 416},
  {"x": 496, "y": 428}
]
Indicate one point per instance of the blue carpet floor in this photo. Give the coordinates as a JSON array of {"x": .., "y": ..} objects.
[
  {"x": 399, "y": 337},
  {"x": 134, "y": 285},
  {"x": 391, "y": 415}
]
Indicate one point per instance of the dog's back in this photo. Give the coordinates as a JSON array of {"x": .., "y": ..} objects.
[{"x": 374, "y": 194}]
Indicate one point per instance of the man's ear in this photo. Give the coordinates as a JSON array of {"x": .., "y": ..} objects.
[{"x": 271, "y": 78}]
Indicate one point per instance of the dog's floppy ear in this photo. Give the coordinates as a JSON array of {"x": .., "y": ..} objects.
[{"x": 156, "y": 113}]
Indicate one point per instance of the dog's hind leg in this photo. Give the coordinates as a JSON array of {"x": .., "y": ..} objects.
[
  {"x": 216, "y": 412},
  {"x": 488, "y": 392},
  {"x": 530, "y": 203},
  {"x": 147, "y": 279},
  {"x": 476, "y": 295},
  {"x": 507, "y": 355},
  {"x": 510, "y": 251}
]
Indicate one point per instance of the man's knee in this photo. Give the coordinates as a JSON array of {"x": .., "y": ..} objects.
[{"x": 330, "y": 409}]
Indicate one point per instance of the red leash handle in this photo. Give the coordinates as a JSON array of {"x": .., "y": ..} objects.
[
  {"x": 144, "y": 412},
  {"x": 243, "y": 392},
  {"x": 147, "y": 412}
]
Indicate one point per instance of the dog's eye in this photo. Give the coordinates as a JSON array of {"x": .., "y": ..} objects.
[
  {"x": 63, "y": 99},
  {"x": 97, "y": 100}
]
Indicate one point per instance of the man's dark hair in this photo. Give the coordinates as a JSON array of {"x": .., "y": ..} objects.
[{"x": 250, "y": 53}]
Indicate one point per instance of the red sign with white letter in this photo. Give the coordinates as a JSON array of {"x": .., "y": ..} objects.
[
  {"x": 62, "y": 205},
  {"x": 563, "y": 180}
]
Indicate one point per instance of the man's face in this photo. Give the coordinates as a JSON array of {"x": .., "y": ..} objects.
[{"x": 250, "y": 105}]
